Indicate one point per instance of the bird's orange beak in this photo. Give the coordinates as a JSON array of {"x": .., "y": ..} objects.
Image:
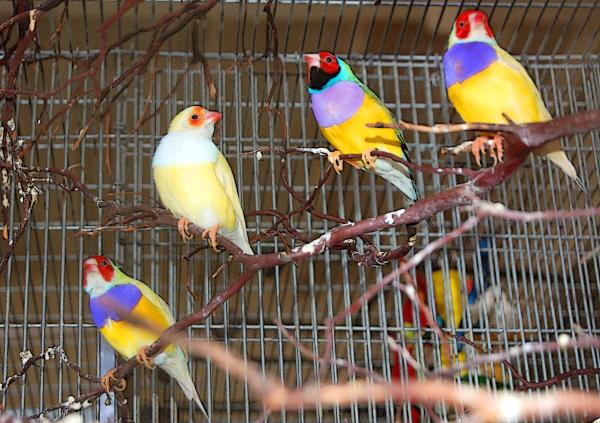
[{"x": 213, "y": 117}]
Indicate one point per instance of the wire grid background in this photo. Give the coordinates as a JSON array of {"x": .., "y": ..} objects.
[{"x": 396, "y": 48}]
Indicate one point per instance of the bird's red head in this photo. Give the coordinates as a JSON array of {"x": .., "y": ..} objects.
[
  {"x": 197, "y": 116},
  {"x": 98, "y": 265},
  {"x": 324, "y": 60},
  {"x": 472, "y": 23},
  {"x": 322, "y": 66}
]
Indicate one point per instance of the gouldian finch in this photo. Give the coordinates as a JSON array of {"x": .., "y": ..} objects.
[
  {"x": 343, "y": 106},
  {"x": 487, "y": 85},
  {"x": 114, "y": 297},
  {"x": 194, "y": 180},
  {"x": 473, "y": 300}
]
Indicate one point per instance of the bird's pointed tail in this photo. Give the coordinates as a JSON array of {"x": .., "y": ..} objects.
[
  {"x": 553, "y": 152},
  {"x": 240, "y": 238},
  {"x": 177, "y": 368}
]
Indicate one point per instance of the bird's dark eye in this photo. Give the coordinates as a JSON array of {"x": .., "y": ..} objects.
[
  {"x": 104, "y": 263},
  {"x": 328, "y": 60},
  {"x": 461, "y": 24},
  {"x": 195, "y": 117}
]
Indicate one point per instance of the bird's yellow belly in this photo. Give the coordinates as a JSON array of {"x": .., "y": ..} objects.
[
  {"x": 193, "y": 191},
  {"x": 485, "y": 96},
  {"x": 354, "y": 137},
  {"x": 127, "y": 338}
]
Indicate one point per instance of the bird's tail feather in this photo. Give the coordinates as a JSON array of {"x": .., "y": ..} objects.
[
  {"x": 177, "y": 368},
  {"x": 401, "y": 177},
  {"x": 240, "y": 238},
  {"x": 398, "y": 175},
  {"x": 553, "y": 152}
]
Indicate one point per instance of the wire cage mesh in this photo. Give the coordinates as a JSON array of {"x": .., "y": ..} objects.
[{"x": 395, "y": 47}]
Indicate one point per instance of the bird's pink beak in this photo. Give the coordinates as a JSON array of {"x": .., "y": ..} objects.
[
  {"x": 311, "y": 60},
  {"x": 89, "y": 266},
  {"x": 213, "y": 117}
]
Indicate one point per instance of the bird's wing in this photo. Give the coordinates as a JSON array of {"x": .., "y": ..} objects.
[
  {"x": 127, "y": 336},
  {"x": 520, "y": 73},
  {"x": 225, "y": 176},
  {"x": 388, "y": 114},
  {"x": 156, "y": 305},
  {"x": 552, "y": 150}
]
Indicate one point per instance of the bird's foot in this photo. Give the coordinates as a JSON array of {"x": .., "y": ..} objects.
[
  {"x": 497, "y": 149},
  {"x": 144, "y": 359},
  {"x": 334, "y": 159},
  {"x": 494, "y": 145},
  {"x": 211, "y": 234},
  {"x": 107, "y": 379},
  {"x": 183, "y": 228},
  {"x": 368, "y": 158}
]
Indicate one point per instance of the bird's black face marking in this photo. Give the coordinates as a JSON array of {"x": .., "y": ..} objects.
[{"x": 318, "y": 78}]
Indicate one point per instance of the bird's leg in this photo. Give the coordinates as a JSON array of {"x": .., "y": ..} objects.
[
  {"x": 211, "y": 233},
  {"x": 183, "y": 228},
  {"x": 368, "y": 158},
  {"x": 108, "y": 378},
  {"x": 334, "y": 159},
  {"x": 144, "y": 359}
]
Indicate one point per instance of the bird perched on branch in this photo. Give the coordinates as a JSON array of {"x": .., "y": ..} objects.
[
  {"x": 487, "y": 85},
  {"x": 131, "y": 316},
  {"x": 343, "y": 105},
  {"x": 194, "y": 180}
]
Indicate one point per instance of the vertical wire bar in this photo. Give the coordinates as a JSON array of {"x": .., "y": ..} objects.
[
  {"x": 578, "y": 236},
  {"x": 294, "y": 274},
  {"x": 388, "y": 27},
  {"x": 405, "y": 25},
  {"x": 372, "y": 207},
  {"x": 516, "y": 29},
  {"x": 25, "y": 293},
  {"x": 419, "y": 31},
  {"x": 341, "y": 10},
  {"x": 552, "y": 30},
  {"x": 106, "y": 354},
  {"x": 370, "y": 32},
  {"x": 278, "y": 290},
  {"x": 305, "y": 31},
  {"x": 355, "y": 25},
  {"x": 399, "y": 297},
  {"x": 63, "y": 249},
  {"x": 568, "y": 291}
]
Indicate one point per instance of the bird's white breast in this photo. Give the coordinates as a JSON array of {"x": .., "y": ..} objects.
[{"x": 181, "y": 148}]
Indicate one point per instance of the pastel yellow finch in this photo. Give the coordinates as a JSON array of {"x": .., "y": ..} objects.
[
  {"x": 119, "y": 305},
  {"x": 487, "y": 85},
  {"x": 194, "y": 180}
]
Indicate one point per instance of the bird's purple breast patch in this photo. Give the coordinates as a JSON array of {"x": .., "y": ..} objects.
[
  {"x": 464, "y": 60},
  {"x": 113, "y": 303},
  {"x": 337, "y": 103}
]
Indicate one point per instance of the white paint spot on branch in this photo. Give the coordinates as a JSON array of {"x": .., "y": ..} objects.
[{"x": 389, "y": 218}]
